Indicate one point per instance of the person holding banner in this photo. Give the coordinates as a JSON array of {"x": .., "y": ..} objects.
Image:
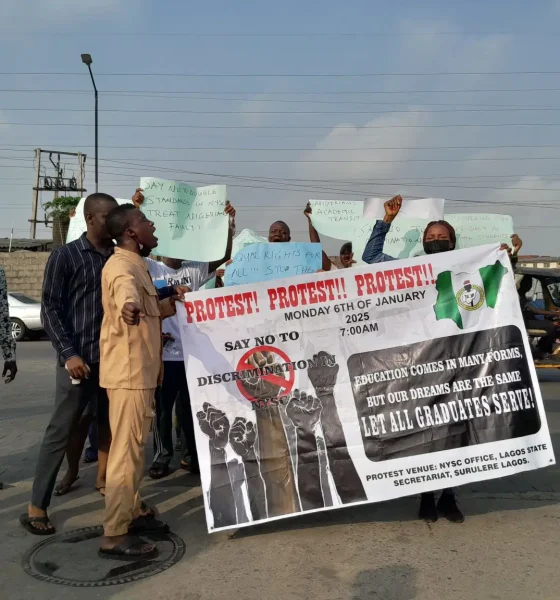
[
  {"x": 439, "y": 236},
  {"x": 346, "y": 254},
  {"x": 177, "y": 272},
  {"x": 130, "y": 371}
]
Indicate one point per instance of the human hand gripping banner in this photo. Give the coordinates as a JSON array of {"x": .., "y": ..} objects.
[{"x": 321, "y": 391}]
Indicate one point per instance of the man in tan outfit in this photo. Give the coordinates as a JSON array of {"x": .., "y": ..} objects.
[{"x": 130, "y": 370}]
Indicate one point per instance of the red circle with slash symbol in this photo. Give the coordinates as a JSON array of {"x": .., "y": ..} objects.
[{"x": 285, "y": 385}]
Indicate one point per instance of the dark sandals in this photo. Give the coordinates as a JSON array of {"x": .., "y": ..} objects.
[
  {"x": 130, "y": 549},
  {"x": 28, "y": 521},
  {"x": 190, "y": 466},
  {"x": 158, "y": 471},
  {"x": 63, "y": 488},
  {"x": 148, "y": 524}
]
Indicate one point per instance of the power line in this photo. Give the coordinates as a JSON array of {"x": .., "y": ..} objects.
[
  {"x": 228, "y": 34},
  {"x": 282, "y": 75},
  {"x": 236, "y": 148},
  {"x": 356, "y": 127},
  {"x": 166, "y": 93},
  {"x": 274, "y": 101},
  {"x": 285, "y": 112}
]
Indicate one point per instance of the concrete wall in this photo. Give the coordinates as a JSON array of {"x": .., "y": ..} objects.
[{"x": 24, "y": 271}]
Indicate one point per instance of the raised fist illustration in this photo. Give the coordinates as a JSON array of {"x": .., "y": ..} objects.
[
  {"x": 214, "y": 423},
  {"x": 264, "y": 387},
  {"x": 323, "y": 375},
  {"x": 304, "y": 411},
  {"x": 242, "y": 436}
]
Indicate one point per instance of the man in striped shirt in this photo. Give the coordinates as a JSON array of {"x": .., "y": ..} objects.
[{"x": 72, "y": 313}]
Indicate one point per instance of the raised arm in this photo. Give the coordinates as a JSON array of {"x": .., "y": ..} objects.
[
  {"x": 373, "y": 252},
  {"x": 230, "y": 211},
  {"x": 315, "y": 239}
]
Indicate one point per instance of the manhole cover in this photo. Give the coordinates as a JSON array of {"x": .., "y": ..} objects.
[{"x": 71, "y": 559}]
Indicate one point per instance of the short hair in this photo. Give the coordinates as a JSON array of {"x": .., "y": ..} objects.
[
  {"x": 347, "y": 247},
  {"x": 93, "y": 200},
  {"x": 448, "y": 226},
  {"x": 285, "y": 225},
  {"x": 118, "y": 221}
]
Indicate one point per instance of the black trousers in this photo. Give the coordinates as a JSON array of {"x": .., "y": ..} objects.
[
  {"x": 70, "y": 403},
  {"x": 173, "y": 389}
]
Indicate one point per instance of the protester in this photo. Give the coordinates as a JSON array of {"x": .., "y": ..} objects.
[
  {"x": 439, "y": 236},
  {"x": 346, "y": 254},
  {"x": 71, "y": 313},
  {"x": 174, "y": 271},
  {"x": 130, "y": 371},
  {"x": 279, "y": 232},
  {"x": 7, "y": 342},
  {"x": 550, "y": 324}
]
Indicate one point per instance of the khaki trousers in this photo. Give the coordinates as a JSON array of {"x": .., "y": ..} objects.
[{"x": 131, "y": 414}]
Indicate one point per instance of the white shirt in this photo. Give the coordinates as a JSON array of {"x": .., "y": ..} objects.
[{"x": 190, "y": 273}]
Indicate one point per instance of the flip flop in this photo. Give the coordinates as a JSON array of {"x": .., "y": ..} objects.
[
  {"x": 100, "y": 488},
  {"x": 191, "y": 467},
  {"x": 28, "y": 521},
  {"x": 63, "y": 488},
  {"x": 147, "y": 525},
  {"x": 150, "y": 512},
  {"x": 130, "y": 549},
  {"x": 158, "y": 471}
]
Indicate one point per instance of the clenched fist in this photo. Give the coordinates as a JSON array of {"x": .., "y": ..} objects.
[
  {"x": 242, "y": 436},
  {"x": 304, "y": 411},
  {"x": 262, "y": 389},
  {"x": 214, "y": 423},
  {"x": 323, "y": 375}
]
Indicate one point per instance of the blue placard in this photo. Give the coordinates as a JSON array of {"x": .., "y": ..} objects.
[{"x": 262, "y": 262}]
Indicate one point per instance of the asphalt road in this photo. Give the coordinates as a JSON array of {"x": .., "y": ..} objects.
[{"x": 508, "y": 548}]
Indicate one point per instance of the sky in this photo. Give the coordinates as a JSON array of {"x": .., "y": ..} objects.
[{"x": 289, "y": 101}]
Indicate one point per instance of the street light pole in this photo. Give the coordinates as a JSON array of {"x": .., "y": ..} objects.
[{"x": 87, "y": 60}]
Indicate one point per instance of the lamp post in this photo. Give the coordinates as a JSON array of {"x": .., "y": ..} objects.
[{"x": 87, "y": 60}]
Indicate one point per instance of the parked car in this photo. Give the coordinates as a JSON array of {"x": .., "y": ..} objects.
[{"x": 25, "y": 315}]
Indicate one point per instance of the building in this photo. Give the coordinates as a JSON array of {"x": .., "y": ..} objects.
[
  {"x": 539, "y": 262},
  {"x": 22, "y": 244}
]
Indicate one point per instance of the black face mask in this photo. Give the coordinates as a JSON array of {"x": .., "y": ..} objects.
[{"x": 435, "y": 246}]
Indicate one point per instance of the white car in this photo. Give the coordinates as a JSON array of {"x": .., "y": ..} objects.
[{"x": 25, "y": 315}]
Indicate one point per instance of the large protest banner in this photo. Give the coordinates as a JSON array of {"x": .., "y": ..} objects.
[
  {"x": 319, "y": 391},
  {"x": 190, "y": 221}
]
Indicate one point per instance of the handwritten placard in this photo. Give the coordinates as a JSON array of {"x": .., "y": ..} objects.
[
  {"x": 262, "y": 262},
  {"x": 190, "y": 221},
  {"x": 477, "y": 229},
  {"x": 417, "y": 208},
  {"x": 344, "y": 220},
  {"x": 338, "y": 219},
  {"x": 78, "y": 221}
]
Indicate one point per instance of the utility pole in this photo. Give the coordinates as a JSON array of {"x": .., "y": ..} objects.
[
  {"x": 35, "y": 201},
  {"x": 55, "y": 184},
  {"x": 81, "y": 159}
]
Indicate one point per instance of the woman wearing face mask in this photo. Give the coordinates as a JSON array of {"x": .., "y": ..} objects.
[{"x": 439, "y": 236}]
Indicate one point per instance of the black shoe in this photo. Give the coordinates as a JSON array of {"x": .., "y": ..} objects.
[
  {"x": 447, "y": 506},
  {"x": 428, "y": 511}
]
